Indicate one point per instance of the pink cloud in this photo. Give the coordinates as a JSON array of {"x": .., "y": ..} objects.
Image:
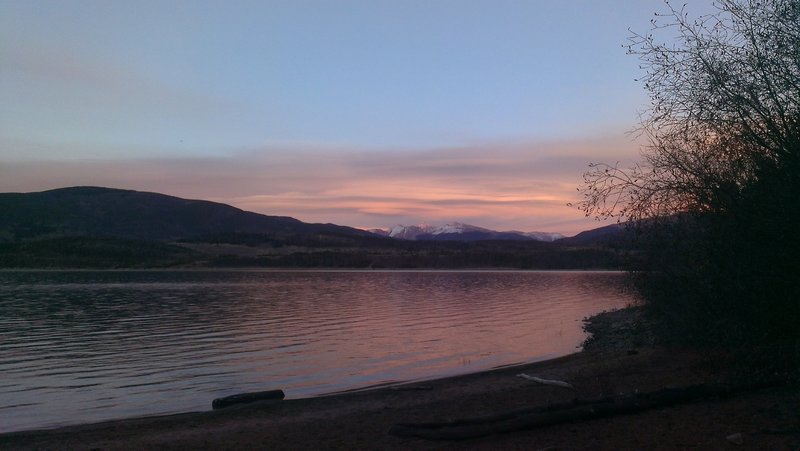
[{"x": 520, "y": 186}]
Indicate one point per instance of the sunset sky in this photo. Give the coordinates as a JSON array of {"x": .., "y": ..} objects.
[{"x": 363, "y": 113}]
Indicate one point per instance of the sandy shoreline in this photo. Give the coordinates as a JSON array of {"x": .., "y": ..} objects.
[{"x": 766, "y": 419}]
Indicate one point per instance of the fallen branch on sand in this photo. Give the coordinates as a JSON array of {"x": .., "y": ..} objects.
[
  {"x": 243, "y": 398},
  {"x": 546, "y": 381},
  {"x": 576, "y": 410}
]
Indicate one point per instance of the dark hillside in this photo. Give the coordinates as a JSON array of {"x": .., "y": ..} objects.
[
  {"x": 93, "y": 252},
  {"x": 94, "y": 211},
  {"x": 474, "y": 236},
  {"x": 614, "y": 234}
]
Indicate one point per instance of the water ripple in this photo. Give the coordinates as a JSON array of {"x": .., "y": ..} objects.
[{"x": 82, "y": 346}]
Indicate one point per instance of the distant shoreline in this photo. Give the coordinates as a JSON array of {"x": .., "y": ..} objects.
[{"x": 312, "y": 269}]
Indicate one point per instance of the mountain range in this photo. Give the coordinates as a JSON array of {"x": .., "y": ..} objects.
[
  {"x": 96, "y": 227},
  {"x": 457, "y": 231}
]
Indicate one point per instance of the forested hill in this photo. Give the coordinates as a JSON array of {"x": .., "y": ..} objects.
[{"x": 95, "y": 211}]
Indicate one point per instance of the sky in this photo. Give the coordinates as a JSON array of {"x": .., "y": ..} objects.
[{"x": 367, "y": 113}]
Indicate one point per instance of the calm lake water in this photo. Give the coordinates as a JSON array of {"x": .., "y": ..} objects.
[{"x": 83, "y": 346}]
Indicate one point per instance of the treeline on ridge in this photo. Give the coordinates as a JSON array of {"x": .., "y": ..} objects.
[{"x": 268, "y": 251}]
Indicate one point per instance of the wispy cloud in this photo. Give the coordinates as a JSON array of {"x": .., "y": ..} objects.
[
  {"x": 519, "y": 186},
  {"x": 54, "y": 94}
]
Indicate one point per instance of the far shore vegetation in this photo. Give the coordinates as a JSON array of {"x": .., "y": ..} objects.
[{"x": 265, "y": 251}]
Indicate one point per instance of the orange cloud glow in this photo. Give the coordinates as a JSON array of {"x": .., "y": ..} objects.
[{"x": 504, "y": 187}]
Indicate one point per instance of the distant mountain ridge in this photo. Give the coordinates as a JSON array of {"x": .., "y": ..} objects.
[
  {"x": 94, "y": 227},
  {"x": 612, "y": 233},
  {"x": 128, "y": 214},
  {"x": 457, "y": 231}
]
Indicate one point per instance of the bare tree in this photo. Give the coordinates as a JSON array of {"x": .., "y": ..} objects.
[
  {"x": 724, "y": 110},
  {"x": 717, "y": 191}
]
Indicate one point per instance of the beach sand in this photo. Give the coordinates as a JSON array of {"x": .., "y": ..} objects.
[{"x": 765, "y": 419}]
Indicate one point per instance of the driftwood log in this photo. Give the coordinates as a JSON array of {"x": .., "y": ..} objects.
[
  {"x": 552, "y": 382},
  {"x": 244, "y": 398},
  {"x": 576, "y": 410}
]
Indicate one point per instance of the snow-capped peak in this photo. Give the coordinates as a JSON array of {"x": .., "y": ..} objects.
[
  {"x": 454, "y": 229},
  {"x": 457, "y": 227},
  {"x": 408, "y": 232},
  {"x": 544, "y": 236}
]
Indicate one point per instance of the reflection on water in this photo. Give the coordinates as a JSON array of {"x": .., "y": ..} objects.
[{"x": 79, "y": 346}]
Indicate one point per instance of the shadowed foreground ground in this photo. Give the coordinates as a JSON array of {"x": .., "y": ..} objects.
[{"x": 766, "y": 419}]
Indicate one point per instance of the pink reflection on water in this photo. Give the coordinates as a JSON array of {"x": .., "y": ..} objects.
[
  {"x": 90, "y": 346},
  {"x": 377, "y": 327}
]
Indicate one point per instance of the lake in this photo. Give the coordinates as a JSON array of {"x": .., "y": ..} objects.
[{"x": 85, "y": 346}]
